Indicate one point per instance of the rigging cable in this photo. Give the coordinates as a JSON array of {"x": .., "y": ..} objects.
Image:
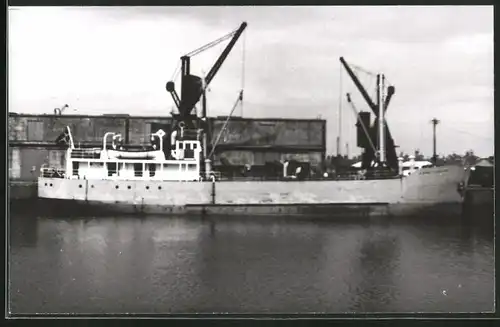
[
  {"x": 242, "y": 71},
  {"x": 339, "y": 146},
  {"x": 361, "y": 69},
  {"x": 205, "y": 86},
  {"x": 358, "y": 118},
  {"x": 225, "y": 125},
  {"x": 176, "y": 72},
  {"x": 371, "y": 82},
  {"x": 210, "y": 45},
  {"x": 199, "y": 50}
]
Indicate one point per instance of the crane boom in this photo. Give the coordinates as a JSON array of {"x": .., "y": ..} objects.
[
  {"x": 361, "y": 123},
  {"x": 390, "y": 90},
  {"x": 390, "y": 147},
  {"x": 211, "y": 74},
  {"x": 360, "y": 87},
  {"x": 192, "y": 87}
]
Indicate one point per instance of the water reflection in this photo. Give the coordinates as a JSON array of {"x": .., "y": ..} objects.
[
  {"x": 159, "y": 265},
  {"x": 24, "y": 231},
  {"x": 378, "y": 261},
  {"x": 243, "y": 261}
]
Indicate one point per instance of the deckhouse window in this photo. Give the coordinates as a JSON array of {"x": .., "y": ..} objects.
[
  {"x": 76, "y": 165},
  {"x": 111, "y": 168},
  {"x": 138, "y": 169},
  {"x": 189, "y": 153}
]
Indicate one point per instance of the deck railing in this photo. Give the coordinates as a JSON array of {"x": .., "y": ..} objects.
[
  {"x": 84, "y": 153},
  {"x": 351, "y": 176},
  {"x": 52, "y": 172}
]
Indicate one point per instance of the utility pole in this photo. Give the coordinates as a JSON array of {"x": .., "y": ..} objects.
[{"x": 434, "y": 122}]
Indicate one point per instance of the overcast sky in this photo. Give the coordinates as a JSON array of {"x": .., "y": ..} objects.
[{"x": 118, "y": 59}]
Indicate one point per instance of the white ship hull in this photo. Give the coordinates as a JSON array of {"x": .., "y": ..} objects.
[{"x": 426, "y": 189}]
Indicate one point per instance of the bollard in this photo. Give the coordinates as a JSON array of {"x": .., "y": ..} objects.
[
  {"x": 208, "y": 168},
  {"x": 213, "y": 189},
  {"x": 400, "y": 166}
]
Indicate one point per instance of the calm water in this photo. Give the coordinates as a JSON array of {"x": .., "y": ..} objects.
[{"x": 165, "y": 265}]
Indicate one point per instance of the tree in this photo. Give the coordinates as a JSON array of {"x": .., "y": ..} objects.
[
  {"x": 419, "y": 156},
  {"x": 470, "y": 158}
]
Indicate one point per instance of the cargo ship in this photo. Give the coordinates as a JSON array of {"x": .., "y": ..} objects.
[{"x": 174, "y": 175}]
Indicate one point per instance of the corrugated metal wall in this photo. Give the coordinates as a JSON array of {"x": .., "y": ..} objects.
[
  {"x": 14, "y": 163},
  {"x": 32, "y": 160},
  {"x": 279, "y": 133},
  {"x": 25, "y": 163},
  {"x": 35, "y": 130},
  {"x": 260, "y": 158},
  {"x": 17, "y": 128},
  {"x": 48, "y": 128},
  {"x": 56, "y": 158}
]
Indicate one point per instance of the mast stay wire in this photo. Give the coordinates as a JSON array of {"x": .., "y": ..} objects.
[
  {"x": 243, "y": 51},
  {"x": 339, "y": 145},
  {"x": 201, "y": 49},
  {"x": 365, "y": 128},
  {"x": 371, "y": 81},
  {"x": 205, "y": 86},
  {"x": 210, "y": 45},
  {"x": 361, "y": 69},
  {"x": 225, "y": 125},
  {"x": 176, "y": 72}
]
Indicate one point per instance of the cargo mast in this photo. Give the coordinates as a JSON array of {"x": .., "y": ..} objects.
[
  {"x": 381, "y": 114},
  {"x": 193, "y": 87},
  {"x": 386, "y": 148}
]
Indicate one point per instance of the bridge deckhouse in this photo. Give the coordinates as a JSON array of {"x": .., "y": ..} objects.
[{"x": 113, "y": 162}]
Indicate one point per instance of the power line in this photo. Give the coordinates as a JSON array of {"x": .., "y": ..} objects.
[{"x": 471, "y": 134}]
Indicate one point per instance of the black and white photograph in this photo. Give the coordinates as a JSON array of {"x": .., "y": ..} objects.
[{"x": 256, "y": 160}]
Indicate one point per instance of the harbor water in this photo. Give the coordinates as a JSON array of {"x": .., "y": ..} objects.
[{"x": 245, "y": 265}]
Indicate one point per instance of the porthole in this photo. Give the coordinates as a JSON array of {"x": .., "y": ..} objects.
[
  {"x": 50, "y": 184},
  {"x": 116, "y": 186},
  {"x": 80, "y": 186},
  {"x": 147, "y": 187},
  {"x": 129, "y": 187},
  {"x": 159, "y": 187},
  {"x": 91, "y": 186},
  {"x": 45, "y": 184}
]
